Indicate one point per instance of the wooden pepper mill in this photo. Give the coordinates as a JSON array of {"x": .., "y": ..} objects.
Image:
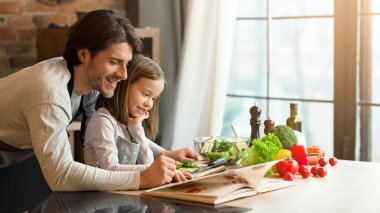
[
  {"x": 255, "y": 112},
  {"x": 269, "y": 124}
]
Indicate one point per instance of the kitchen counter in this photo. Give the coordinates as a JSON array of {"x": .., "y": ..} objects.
[{"x": 350, "y": 186}]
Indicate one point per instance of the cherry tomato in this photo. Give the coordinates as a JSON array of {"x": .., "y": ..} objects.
[
  {"x": 314, "y": 170},
  {"x": 333, "y": 161},
  {"x": 322, "y": 161},
  {"x": 314, "y": 153},
  {"x": 287, "y": 165},
  {"x": 288, "y": 176},
  {"x": 304, "y": 171},
  {"x": 322, "y": 171}
]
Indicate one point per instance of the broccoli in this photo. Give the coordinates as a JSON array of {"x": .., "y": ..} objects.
[
  {"x": 286, "y": 135},
  {"x": 262, "y": 150}
]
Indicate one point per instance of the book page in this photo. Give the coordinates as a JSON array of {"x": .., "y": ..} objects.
[
  {"x": 213, "y": 190},
  {"x": 222, "y": 187},
  {"x": 270, "y": 184},
  {"x": 239, "y": 193},
  {"x": 249, "y": 176}
]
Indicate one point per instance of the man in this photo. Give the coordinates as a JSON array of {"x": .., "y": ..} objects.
[{"x": 39, "y": 102}]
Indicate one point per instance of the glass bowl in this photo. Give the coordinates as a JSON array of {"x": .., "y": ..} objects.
[{"x": 213, "y": 148}]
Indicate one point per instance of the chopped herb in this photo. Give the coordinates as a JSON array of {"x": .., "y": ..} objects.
[{"x": 186, "y": 164}]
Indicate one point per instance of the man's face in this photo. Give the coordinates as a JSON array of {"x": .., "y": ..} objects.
[{"x": 108, "y": 67}]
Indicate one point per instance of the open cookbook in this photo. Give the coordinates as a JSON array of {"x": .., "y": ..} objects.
[{"x": 222, "y": 187}]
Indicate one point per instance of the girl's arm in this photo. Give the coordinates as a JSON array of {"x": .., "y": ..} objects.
[
  {"x": 148, "y": 149},
  {"x": 100, "y": 145}
]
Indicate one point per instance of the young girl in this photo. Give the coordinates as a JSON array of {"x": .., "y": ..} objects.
[{"x": 120, "y": 133}]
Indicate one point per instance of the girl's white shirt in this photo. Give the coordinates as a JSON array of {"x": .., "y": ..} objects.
[{"x": 114, "y": 146}]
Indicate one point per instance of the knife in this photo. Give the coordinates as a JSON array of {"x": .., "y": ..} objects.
[{"x": 213, "y": 164}]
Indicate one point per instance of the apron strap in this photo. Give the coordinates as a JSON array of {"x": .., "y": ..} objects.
[{"x": 10, "y": 155}]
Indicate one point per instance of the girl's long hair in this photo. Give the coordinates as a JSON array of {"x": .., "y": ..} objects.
[{"x": 139, "y": 67}]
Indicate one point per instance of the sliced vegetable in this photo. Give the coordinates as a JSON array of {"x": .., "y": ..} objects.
[
  {"x": 213, "y": 156},
  {"x": 221, "y": 146},
  {"x": 186, "y": 164}
]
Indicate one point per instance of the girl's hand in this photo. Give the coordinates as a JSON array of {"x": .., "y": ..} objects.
[
  {"x": 184, "y": 154},
  {"x": 138, "y": 120},
  {"x": 182, "y": 176}
]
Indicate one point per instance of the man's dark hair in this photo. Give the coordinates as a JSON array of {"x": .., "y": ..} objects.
[{"x": 96, "y": 31}]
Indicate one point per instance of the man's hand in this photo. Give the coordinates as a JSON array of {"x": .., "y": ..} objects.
[
  {"x": 185, "y": 154},
  {"x": 162, "y": 171}
]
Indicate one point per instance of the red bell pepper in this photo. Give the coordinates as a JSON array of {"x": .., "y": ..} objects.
[{"x": 299, "y": 154}]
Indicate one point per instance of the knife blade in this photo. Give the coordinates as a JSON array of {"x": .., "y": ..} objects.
[{"x": 213, "y": 164}]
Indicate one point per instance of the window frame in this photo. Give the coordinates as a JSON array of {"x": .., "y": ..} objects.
[{"x": 345, "y": 100}]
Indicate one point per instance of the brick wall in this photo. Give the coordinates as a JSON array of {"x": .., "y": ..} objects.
[{"x": 19, "y": 20}]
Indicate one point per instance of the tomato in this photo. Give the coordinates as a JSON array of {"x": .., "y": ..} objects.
[
  {"x": 319, "y": 171},
  {"x": 288, "y": 176},
  {"x": 304, "y": 171},
  {"x": 283, "y": 153},
  {"x": 287, "y": 165},
  {"x": 333, "y": 161},
  {"x": 322, "y": 171},
  {"x": 322, "y": 161},
  {"x": 314, "y": 153},
  {"x": 313, "y": 170}
]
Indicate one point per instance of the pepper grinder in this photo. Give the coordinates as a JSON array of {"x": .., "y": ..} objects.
[
  {"x": 269, "y": 124},
  {"x": 255, "y": 112}
]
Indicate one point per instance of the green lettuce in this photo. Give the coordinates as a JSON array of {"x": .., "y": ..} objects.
[{"x": 261, "y": 151}]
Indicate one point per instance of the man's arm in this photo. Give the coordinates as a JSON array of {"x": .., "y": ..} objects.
[{"x": 47, "y": 124}]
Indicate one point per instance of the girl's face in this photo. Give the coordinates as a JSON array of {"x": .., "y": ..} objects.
[{"x": 142, "y": 94}]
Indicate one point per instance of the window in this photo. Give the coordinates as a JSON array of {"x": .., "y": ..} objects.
[
  {"x": 295, "y": 51},
  {"x": 369, "y": 80}
]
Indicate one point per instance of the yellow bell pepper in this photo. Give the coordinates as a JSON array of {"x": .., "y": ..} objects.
[{"x": 282, "y": 154}]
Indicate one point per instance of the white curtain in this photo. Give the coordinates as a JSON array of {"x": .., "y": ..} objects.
[{"x": 203, "y": 77}]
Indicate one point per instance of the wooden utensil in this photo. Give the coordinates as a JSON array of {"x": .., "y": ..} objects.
[
  {"x": 209, "y": 143},
  {"x": 240, "y": 144}
]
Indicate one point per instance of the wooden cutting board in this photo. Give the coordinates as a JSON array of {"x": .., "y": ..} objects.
[
  {"x": 210, "y": 171},
  {"x": 204, "y": 173}
]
